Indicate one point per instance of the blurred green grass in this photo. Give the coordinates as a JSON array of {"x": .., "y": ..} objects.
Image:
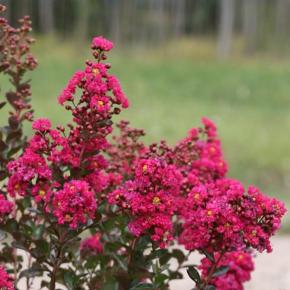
[{"x": 171, "y": 88}]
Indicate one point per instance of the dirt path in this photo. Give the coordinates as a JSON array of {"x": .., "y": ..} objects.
[{"x": 273, "y": 270}]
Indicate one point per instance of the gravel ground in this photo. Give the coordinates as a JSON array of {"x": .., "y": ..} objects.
[{"x": 272, "y": 270}]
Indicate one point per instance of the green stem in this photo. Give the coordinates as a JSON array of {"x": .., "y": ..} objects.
[{"x": 211, "y": 272}]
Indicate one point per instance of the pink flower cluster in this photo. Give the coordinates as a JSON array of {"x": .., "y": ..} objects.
[
  {"x": 100, "y": 90},
  {"x": 5, "y": 280},
  {"x": 229, "y": 218},
  {"x": 165, "y": 192},
  {"x": 239, "y": 267},
  {"x": 215, "y": 213},
  {"x": 5, "y": 207},
  {"x": 41, "y": 125},
  {"x": 74, "y": 204},
  {"x": 200, "y": 155},
  {"x": 25, "y": 171},
  {"x": 102, "y": 43},
  {"x": 92, "y": 245},
  {"x": 66, "y": 168},
  {"x": 150, "y": 199}
]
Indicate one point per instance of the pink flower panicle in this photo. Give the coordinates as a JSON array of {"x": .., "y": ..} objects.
[
  {"x": 229, "y": 218},
  {"x": 151, "y": 199},
  {"x": 200, "y": 154},
  {"x": 240, "y": 265},
  {"x": 69, "y": 163}
]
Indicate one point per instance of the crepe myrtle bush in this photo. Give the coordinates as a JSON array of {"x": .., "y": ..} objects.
[{"x": 90, "y": 206}]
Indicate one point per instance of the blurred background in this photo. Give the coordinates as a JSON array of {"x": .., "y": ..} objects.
[{"x": 179, "y": 60}]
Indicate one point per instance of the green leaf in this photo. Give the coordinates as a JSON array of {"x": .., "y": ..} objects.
[
  {"x": 143, "y": 286},
  {"x": 175, "y": 275},
  {"x": 120, "y": 262},
  {"x": 160, "y": 278},
  {"x": 38, "y": 231},
  {"x": 31, "y": 272},
  {"x": 220, "y": 271},
  {"x": 179, "y": 255},
  {"x": 70, "y": 279},
  {"x": 193, "y": 274},
  {"x": 210, "y": 287},
  {"x": 41, "y": 249},
  {"x": 165, "y": 258},
  {"x": 2, "y": 104},
  {"x": 159, "y": 253},
  {"x": 110, "y": 285},
  {"x": 209, "y": 256}
]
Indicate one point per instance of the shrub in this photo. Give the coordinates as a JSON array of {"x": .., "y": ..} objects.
[{"x": 95, "y": 209}]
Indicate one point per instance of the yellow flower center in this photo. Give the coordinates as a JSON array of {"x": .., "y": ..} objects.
[
  {"x": 17, "y": 186},
  {"x": 240, "y": 257},
  {"x": 209, "y": 212},
  {"x": 101, "y": 103},
  {"x": 145, "y": 167},
  {"x": 156, "y": 200},
  {"x": 95, "y": 71},
  {"x": 254, "y": 233},
  {"x": 196, "y": 196},
  {"x": 42, "y": 192}
]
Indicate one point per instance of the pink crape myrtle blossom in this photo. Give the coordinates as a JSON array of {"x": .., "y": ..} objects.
[
  {"x": 41, "y": 125},
  {"x": 240, "y": 265},
  {"x": 65, "y": 169},
  {"x": 229, "y": 217},
  {"x": 6, "y": 282},
  {"x": 6, "y": 207},
  {"x": 128, "y": 198},
  {"x": 92, "y": 245},
  {"x": 151, "y": 198},
  {"x": 102, "y": 43},
  {"x": 74, "y": 204}
]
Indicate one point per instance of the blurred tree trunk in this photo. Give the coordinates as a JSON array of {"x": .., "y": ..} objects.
[
  {"x": 82, "y": 20},
  {"x": 25, "y": 7},
  {"x": 46, "y": 16},
  {"x": 226, "y": 27},
  {"x": 179, "y": 17},
  {"x": 116, "y": 21},
  {"x": 282, "y": 19},
  {"x": 157, "y": 13},
  {"x": 160, "y": 9},
  {"x": 126, "y": 20},
  {"x": 250, "y": 25}
]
